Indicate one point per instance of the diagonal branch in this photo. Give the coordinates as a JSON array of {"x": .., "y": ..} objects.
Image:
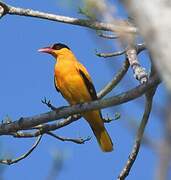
[
  {"x": 139, "y": 72},
  {"x": 118, "y": 77},
  {"x": 64, "y": 19},
  {"x": 132, "y": 157},
  {"x": 29, "y": 122},
  {"x": 121, "y": 73},
  {"x": 12, "y": 161},
  {"x": 77, "y": 141}
]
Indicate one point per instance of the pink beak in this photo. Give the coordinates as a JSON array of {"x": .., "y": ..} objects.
[{"x": 46, "y": 50}]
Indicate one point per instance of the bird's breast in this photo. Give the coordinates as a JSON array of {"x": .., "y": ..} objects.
[{"x": 71, "y": 84}]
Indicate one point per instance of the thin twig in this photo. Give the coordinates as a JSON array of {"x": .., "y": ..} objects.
[
  {"x": 117, "y": 78},
  {"x": 121, "y": 73},
  {"x": 12, "y": 161},
  {"x": 45, "y": 128},
  {"x": 69, "y": 20},
  {"x": 132, "y": 157},
  {"x": 107, "y": 55},
  {"x": 107, "y": 36},
  {"x": 77, "y": 141},
  {"x": 29, "y": 122},
  {"x": 138, "y": 48}
]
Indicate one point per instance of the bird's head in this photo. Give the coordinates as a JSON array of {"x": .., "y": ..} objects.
[{"x": 55, "y": 50}]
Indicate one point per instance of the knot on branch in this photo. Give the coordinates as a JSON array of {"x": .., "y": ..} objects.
[
  {"x": 3, "y": 9},
  {"x": 139, "y": 72}
]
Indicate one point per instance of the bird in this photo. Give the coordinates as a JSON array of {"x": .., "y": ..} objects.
[{"x": 73, "y": 81}]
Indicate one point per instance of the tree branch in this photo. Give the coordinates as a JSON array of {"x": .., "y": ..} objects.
[
  {"x": 121, "y": 73},
  {"x": 29, "y": 122},
  {"x": 107, "y": 36},
  {"x": 45, "y": 128},
  {"x": 118, "y": 77},
  {"x": 77, "y": 141},
  {"x": 132, "y": 157},
  {"x": 12, "y": 161},
  {"x": 138, "y": 48},
  {"x": 64, "y": 19},
  {"x": 153, "y": 19},
  {"x": 139, "y": 71},
  {"x": 106, "y": 55}
]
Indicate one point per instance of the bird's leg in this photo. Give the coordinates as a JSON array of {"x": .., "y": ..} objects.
[{"x": 48, "y": 103}]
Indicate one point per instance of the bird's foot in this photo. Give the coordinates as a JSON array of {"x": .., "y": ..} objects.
[{"x": 48, "y": 103}]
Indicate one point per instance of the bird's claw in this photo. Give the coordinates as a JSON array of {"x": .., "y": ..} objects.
[{"x": 48, "y": 103}]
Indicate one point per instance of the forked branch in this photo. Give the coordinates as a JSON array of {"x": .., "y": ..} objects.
[{"x": 12, "y": 161}]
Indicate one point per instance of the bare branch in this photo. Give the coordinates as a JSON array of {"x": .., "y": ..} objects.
[
  {"x": 21, "y": 134},
  {"x": 113, "y": 83},
  {"x": 45, "y": 128},
  {"x": 138, "y": 48},
  {"x": 107, "y": 36},
  {"x": 69, "y": 20},
  {"x": 153, "y": 20},
  {"x": 106, "y": 55},
  {"x": 121, "y": 73},
  {"x": 77, "y": 141},
  {"x": 12, "y": 161},
  {"x": 132, "y": 157},
  {"x": 29, "y": 122},
  {"x": 139, "y": 72}
]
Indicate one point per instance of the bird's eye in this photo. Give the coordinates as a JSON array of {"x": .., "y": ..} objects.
[{"x": 55, "y": 47}]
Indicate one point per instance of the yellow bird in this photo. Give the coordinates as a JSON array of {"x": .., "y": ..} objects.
[{"x": 73, "y": 81}]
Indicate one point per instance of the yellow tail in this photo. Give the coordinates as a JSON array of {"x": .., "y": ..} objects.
[
  {"x": 103, "y": 139},
  {"x": 97, "y": 125}
]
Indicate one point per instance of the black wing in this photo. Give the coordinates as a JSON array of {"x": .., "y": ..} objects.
[
  {"x": 89, "y": 85},
  {"x": 55, "y": 83}
]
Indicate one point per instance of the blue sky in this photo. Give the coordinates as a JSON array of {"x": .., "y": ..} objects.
[{"x": 26, "y": 77}]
